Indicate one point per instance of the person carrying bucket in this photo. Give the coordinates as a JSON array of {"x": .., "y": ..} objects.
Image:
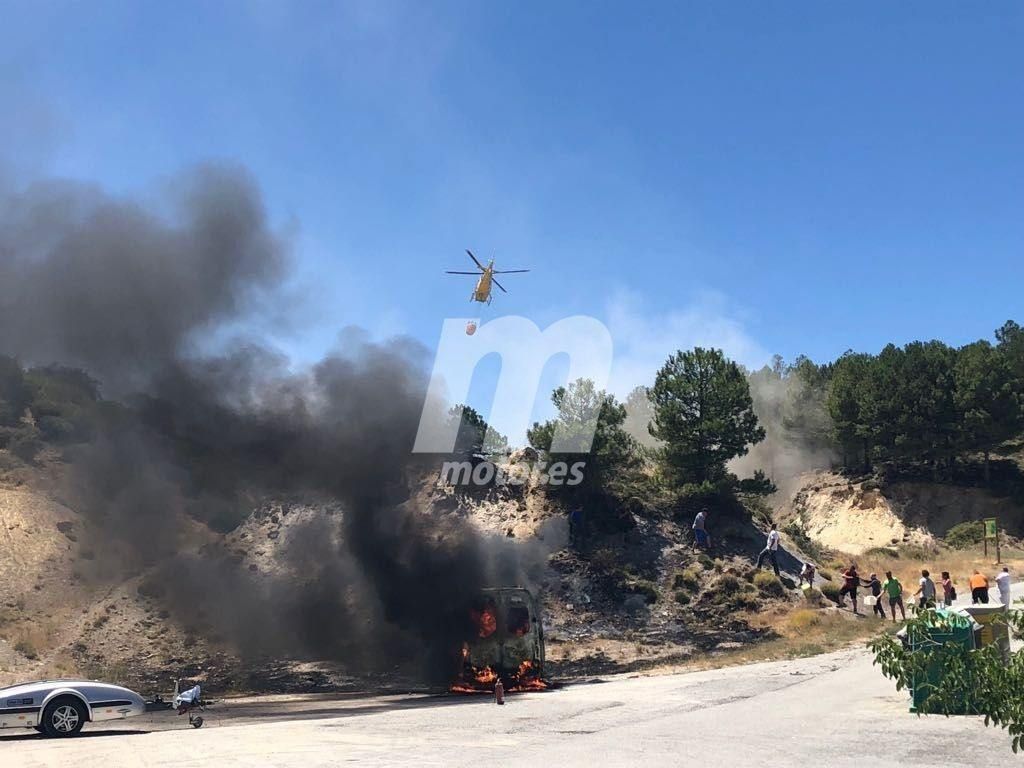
[
  {"x": 807, "y": 574},
  {"x": 876, "y": 596}
]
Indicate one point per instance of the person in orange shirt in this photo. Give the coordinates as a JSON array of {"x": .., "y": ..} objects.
[{"x": 979, "y": 587}]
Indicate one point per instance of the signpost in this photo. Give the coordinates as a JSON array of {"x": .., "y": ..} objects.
[{"x": 992, "y": 533}]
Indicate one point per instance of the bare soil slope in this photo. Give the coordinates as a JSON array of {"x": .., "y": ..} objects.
[{"x": 857, "y": 515}]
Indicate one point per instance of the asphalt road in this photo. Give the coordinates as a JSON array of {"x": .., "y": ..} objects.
[{"x": 830, "y": 710}]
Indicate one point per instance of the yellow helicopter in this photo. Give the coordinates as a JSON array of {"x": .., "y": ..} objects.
[{"x": 485, "y": 277}]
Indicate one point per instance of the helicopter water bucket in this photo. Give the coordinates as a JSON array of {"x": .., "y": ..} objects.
[{"x": 470, "y": 327}]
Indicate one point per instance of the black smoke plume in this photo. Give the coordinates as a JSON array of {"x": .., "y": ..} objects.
[{"x": 137, "y": 295}]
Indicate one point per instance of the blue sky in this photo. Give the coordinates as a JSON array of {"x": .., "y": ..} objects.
[{"x": 770, "y": 177}]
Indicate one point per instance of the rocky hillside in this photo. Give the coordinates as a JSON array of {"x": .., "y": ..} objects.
[
  {"x": 627, "y": 600},
  {"x": 856, "y": 515},
  {"x": 635, "y": 598}
]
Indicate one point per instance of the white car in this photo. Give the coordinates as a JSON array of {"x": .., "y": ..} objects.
[{"x": 62, "y": 707}]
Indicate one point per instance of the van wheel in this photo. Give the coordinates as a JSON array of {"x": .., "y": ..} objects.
[{"x": 64, "y": 717}]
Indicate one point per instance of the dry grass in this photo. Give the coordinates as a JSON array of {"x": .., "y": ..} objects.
[
  {"x": 803, "y": 619},
  {"x": 30, "y": 639},
  {"x": 825, "y": 631},
  {"x": 60, "y": 666},
  {"x": 799, "y": 630},
  {"x": 908, "y": 564}
]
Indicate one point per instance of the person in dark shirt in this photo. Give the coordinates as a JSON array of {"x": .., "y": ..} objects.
[
  {"x": 876, "y": 592},
  {"x": 851, "y": 581}
]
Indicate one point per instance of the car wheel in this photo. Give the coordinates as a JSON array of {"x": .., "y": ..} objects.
[{"x": 64, "y": 717}]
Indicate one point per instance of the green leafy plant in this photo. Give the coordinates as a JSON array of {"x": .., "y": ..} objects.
[
  {"x": 704, "y": 416},
  {"x": 806, "y": 544},
  {"x": 688, "y": 579},
  {"x": 977, "y": 681},
  {"x": 648, "y": 590},
  {"x": 729, "y": 584},
  {"x": 769, "y": 584},
  {"x": 966, "y": 535},
  {"x": 831, "y": 591}
]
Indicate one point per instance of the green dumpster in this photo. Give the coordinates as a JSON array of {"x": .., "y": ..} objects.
[
  {"x": 992, "y": 628},
  {"x": 945, "y": 627}
]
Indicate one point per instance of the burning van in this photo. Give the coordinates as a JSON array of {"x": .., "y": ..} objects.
[{"x": 508, "y": 643}]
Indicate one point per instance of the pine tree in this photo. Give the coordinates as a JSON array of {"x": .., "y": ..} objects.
[{"x": 703, "y": 413}]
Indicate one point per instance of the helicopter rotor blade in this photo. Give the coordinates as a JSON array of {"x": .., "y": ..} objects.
[
  {"x": 475, "y": 260},
  {"x": 499, "y": 285},
  {"x": 509, "y": 271}
]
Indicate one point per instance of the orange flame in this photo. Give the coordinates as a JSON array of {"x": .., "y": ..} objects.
[{"x": 476, "y": 680}]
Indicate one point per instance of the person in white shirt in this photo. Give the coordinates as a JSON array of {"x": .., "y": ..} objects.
[
  {"x": 771, "y": 550},
  {"x": 1003, "y": 582},
  {"x": 700, "y": 533},
  {"x": 926, "y": 590},
  {"x": 807, "y": 574}
]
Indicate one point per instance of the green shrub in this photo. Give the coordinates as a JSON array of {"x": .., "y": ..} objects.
[
  {"x": 222, "y": 518},
  {"x": 831, "y": 591},
  {"x": 9, "y": 463},
  {"x": 705, "y": 561},
  {"x": 645, "y": 588},
  {"x": 688, "y": 579},
  {"x": 151, "y": 588},
  {"x": 26, "y": 649},
  {"x": 604, "y": 560},
  {"x": 804, "y": 619},
  {"x": 914, "y": 552},
  {"x": 746, "y": 601},
  {"x": 682, "y": 597},
  {"x": 882, "y": 552},
  {"x": 56, "y": 429},
  {"x": 729, "y": 584},
  {"x": 25, "y": 443},
  {"x": 806, "y": 544},
  {"x": 966, "y": 535},
  {"x": 769, "y": 584}
]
